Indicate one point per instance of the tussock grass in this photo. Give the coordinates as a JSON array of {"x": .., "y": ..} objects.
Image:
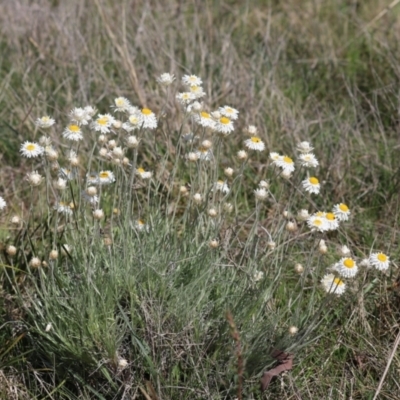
[{"x": 323, "y": 71}]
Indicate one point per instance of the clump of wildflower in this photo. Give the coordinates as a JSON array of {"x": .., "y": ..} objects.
[
  {"x": 31, "y": 149},
  {"x": 346, "y": 267},
  {"x": 311, "y": 185},
  {"x": 45, "y": 122},
  {"x": 380, "y": 261},
  {"x": 255, "y": 143},
  {"x": 332, "y": 284},
  {"x": 341, "y": 212},
  {"x": 165, "y": 79}
]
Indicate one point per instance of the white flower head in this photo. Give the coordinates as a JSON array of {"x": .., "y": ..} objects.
[
  {"x": 224, "y": 125},
  {"x": 229, "y": 112},
  {"x": 103, "y": 123},
  {"x": 197, "y": 91},
  {"x": 105, "y": 178},
  {"x": 191, "y": 80},
  {"x": 143, "y": 173},
  {"x": 344, "y": 251},
  {"x": 284, "y": 162},
  {"x": 63, "y": 208},
  {"x": 341, "y": 211},
  {"x": 3, "y": 204},
  {"x": 221, "y": 186},
  {"x": 73, "y": 132},
  {"x": 317, "y": 223},
  {"x": 80, "y": 115},
  {"x": 305, "y": 147},
  {"x": 251, "y": 130},
  {"x": 332, "y": 221},
  {"x": 141, "y": 226},
  {"x": 332, "y": 284},
  {"x": 380, "y": 261},
  {"x": 31, "y": 149},
  {"x": 255, "y": 143},
  {"x": 311, "y": 185},
  {"x": 308, "y": 160},
  {"x": 121, "y": 104},
  {"x": 346, "y": 267},
  {"x": 204, "y": 119},
  {"x": 204, "y": 154},
  {"x": 149, "y": 120},
  {"x": 45, "y": 122},
  {"x": 34, "y": 178},
  {"x": 261, "y": 194},
  {"x": 165, "y": 79},
  {"x": 185, "y": 98}
]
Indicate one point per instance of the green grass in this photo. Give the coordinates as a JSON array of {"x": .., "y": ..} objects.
[{"x": 298, "y": 70}]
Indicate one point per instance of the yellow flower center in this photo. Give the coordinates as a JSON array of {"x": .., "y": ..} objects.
[
  {"x": 255, "y": 139},
  {"x": 146, "y": 111},
  {"x": 228, "y": 110},
  {"x": 220, "y": 182},
  {"x": 348, "y": 263},
  {"x": 317, "y": 222},
  {"x": 102, "y": 121},
  {"x": 74, "y": 128},
  {"x": 338, "y": 282},
  {"x": 287, "y": 160},
  {"x": 119, "y": 102},
  {"x": 205, "y": 114},
  {"x": 140, "y": 222},
  {"x": 140, "y": 170},
  {"x": 104, "y": 174},
  {"x": 313, "y": 181},
  {"x": 224, "y": 120},
  {"x": 45, "y": 119},
  {"x": 343, "y": 207},
  {"x": 133, "y": 119},
  {"x": 330, "y": 216},
  {"x": 30, "y": 147},
  {"x": 381, "y": 257}
]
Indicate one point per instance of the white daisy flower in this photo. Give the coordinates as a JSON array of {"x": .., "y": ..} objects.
[
  {"x": 31, "y": 149},
  {"x": 344, "y": 251},
  {"x": 346, "y": 267},
  {"x": 380, "y": 261},
  {"x": 90, "y": 111},
  {"x": 308, "y": 160},
  {"x": 63, "y": 208},
  {"x": 317, "y": 223},
  {"x": 332, "y": 284},
  {"x": 195, "y": 107},
  {"x": 73, "y": 132},
  {"x": 229, "y": 112},
  {"x": 105, "y": 177},
  {"x": 275, "y": 156},
  {"x": 103, "y": 123},
  {"x": 191, "y": 80},
  {"x": 204, "y": 119},
  {"x": 144, "y": 174},
  {"x": 311, "y": 185},
  {"x": 221, "y": 186},
  {"x": 149, "y": 119},
  {"x": 286, "y": 163},
  {"x": 255, "y": 143},
  {"x": 204, "y": 154},
  {"x": 45, "y": 122},
  {"x": 332, "y": 221},
  {"x": 305, "y": 147},
  {"x": 121, "y": 104},
  {"x": 197, "y": 91},
  {"x": 224, "y": 125},
  {"x": 341, "y": 211},
  {"x": 60, "y": 184},
  {"x": 3, "y": 204},
  {"x": 261, "y": 194},
  {"x": 135, "y": 121},
  {"x": 185, "y": 98},
  {"x": 80, "y": 115},
  {"x": 165, "y": 79}
]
